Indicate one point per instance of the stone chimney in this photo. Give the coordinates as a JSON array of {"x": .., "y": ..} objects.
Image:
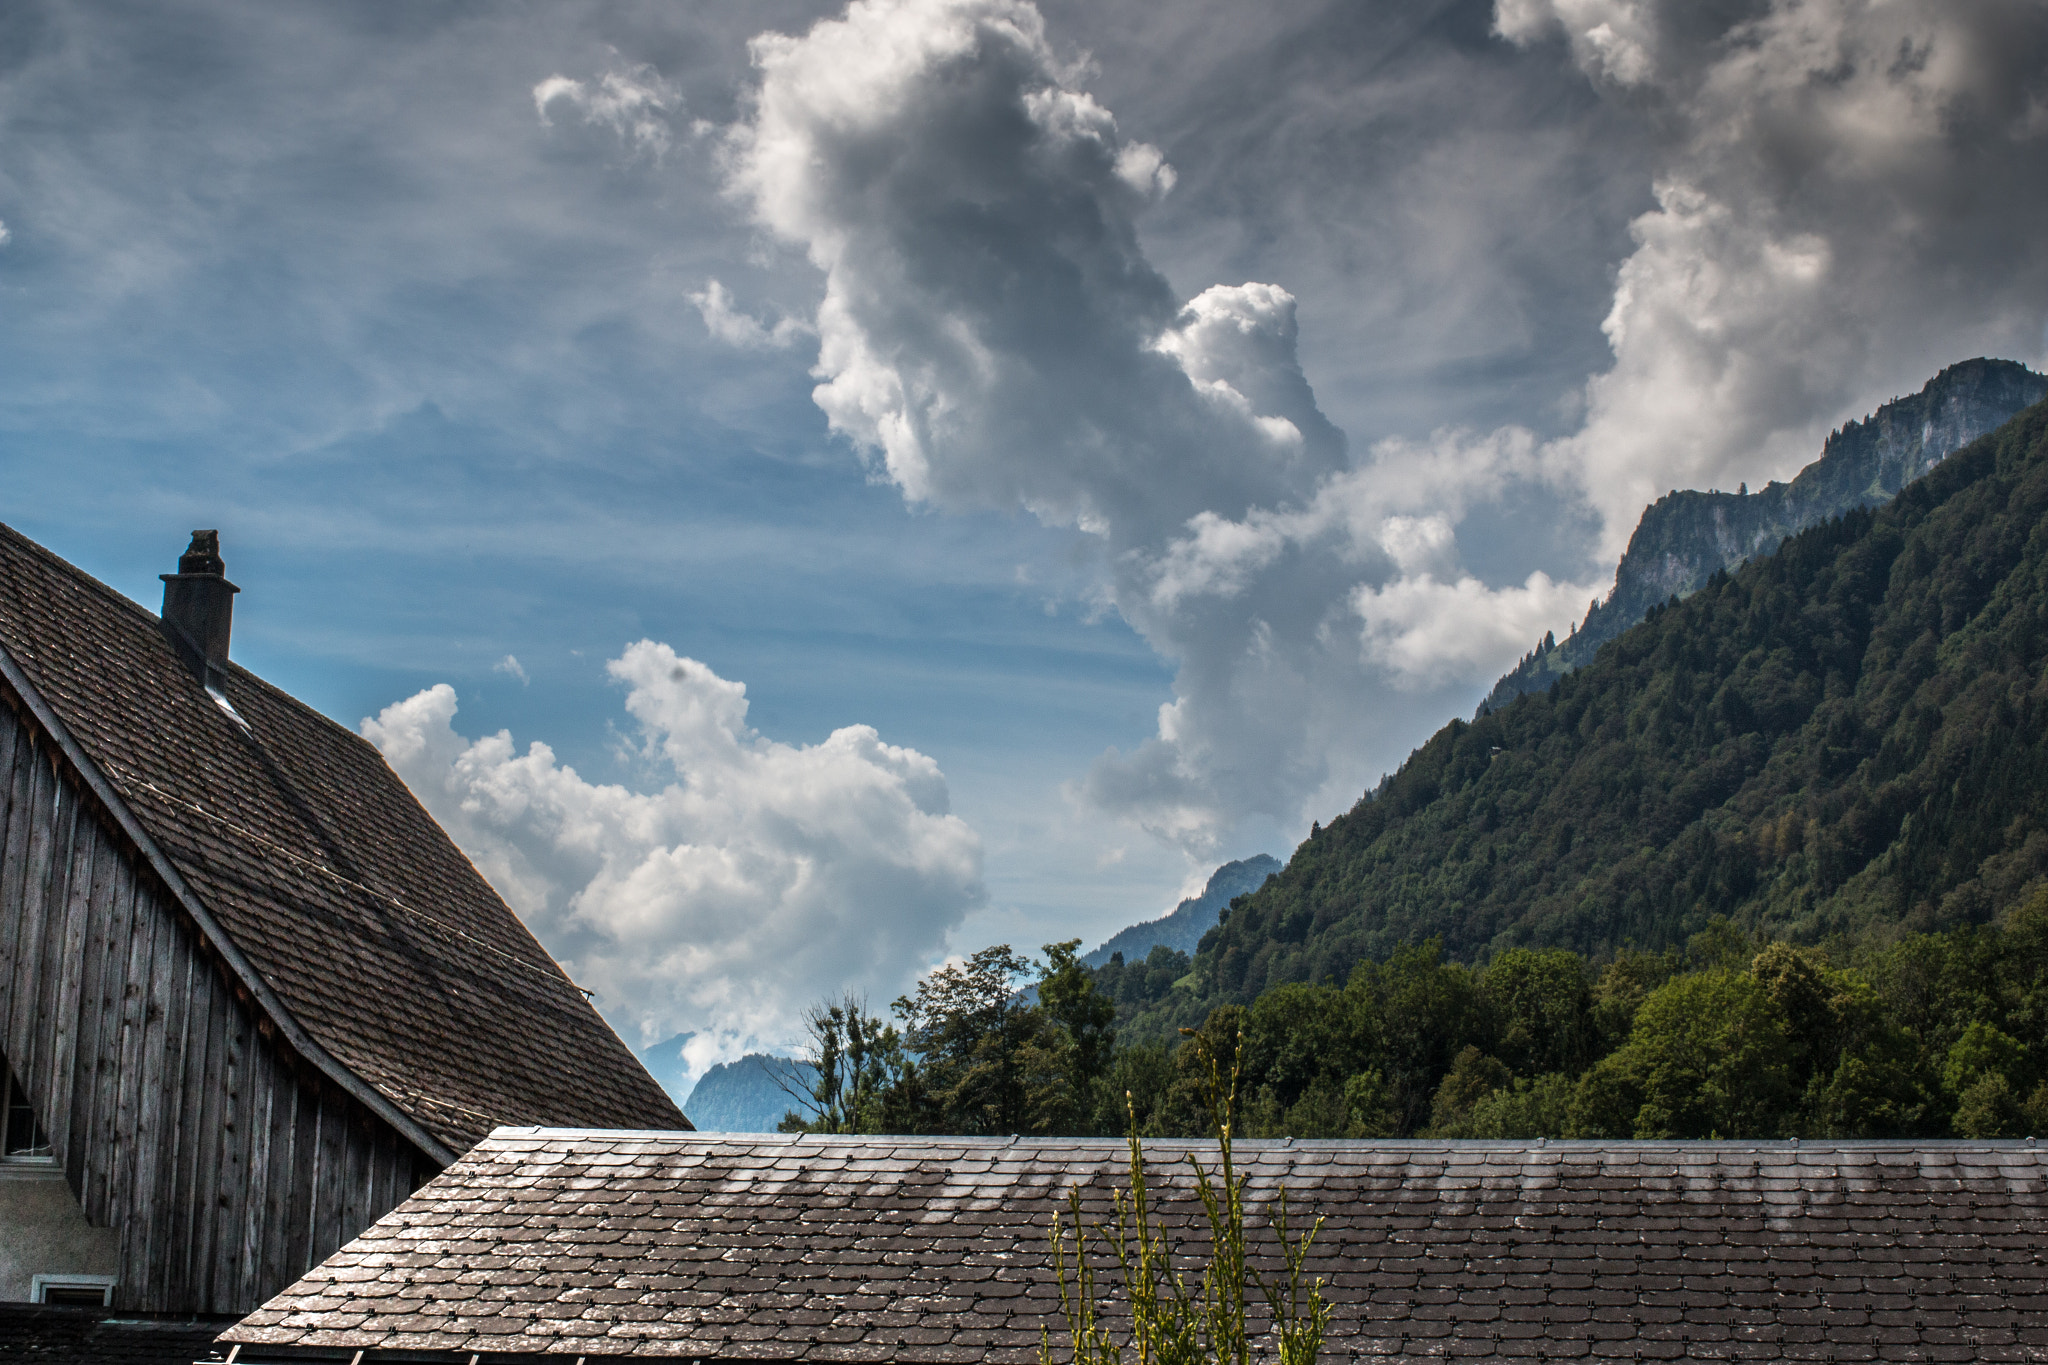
[{"x": 199, "y": 609}]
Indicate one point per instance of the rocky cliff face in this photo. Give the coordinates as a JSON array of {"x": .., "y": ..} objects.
[{"x": 1685, "y": 537}]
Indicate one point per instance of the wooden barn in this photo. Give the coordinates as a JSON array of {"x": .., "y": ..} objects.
[
  {"x": 251, "y": 996},
  {"x": 553, "y": 1248}
]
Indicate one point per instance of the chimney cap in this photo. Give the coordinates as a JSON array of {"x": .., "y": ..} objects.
[{"x": 203, "y": 555}]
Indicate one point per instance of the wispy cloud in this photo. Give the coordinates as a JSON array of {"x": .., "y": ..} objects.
[
  {"x": 634, "y": 102},
  {"x": 742, "y": 330}
]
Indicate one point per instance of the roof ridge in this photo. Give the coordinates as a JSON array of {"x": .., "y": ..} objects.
[
  {"x": 510, "y": 1133},
  {"x": 129, "y": 604}
]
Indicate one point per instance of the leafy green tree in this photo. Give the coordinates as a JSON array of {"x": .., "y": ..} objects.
[
  {"x": 1989, "y": 1108},
  {"x": 1064, "y": 1057},
  {"x": 1528, "y": 1109},
  {"x": 1473, "y": 1077},
  {"x": 1542, "y": 1009},
  {"x": 1429, "y": 1009},
  {"x": 1623, "y": 986},
  {"x": 968, "y": 1030},
  {"x": 1708, "y": 1057},
  {"x": 859, "y": 1071},
  {"x": 1303, "y": 1044}
]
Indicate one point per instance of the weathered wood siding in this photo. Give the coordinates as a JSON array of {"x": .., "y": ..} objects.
[{"x": 227, "y": 1166}]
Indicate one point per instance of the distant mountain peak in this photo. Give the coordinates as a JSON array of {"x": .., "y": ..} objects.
[
  {"x": 1687, "y": 535},
  {"x": 1182, "y": 928}
]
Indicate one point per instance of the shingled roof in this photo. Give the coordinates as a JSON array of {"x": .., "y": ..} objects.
[
  {"x": 933, "y": 1250},
  {"x": 370, "y": 941}
]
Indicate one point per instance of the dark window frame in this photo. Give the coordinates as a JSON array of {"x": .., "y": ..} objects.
[{"x": 22, "y": 1135}]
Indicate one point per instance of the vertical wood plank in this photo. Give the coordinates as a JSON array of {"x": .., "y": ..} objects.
[
  {"x": 131, "y": 1135},
  {"x": 93, "y": 997},
  {"x": 67, "y": 925},
  {"x": 11, "y": 817},
  {"x": 155, "y": 1121},
  {"x": 233, "y": 1190},
  {"x": 332, "y": 1173},
  {"x": 298, "y": 1217},
  {"x": 175, "y": 1227},
  {"x": 35, "y": 905},
  {"x": 15, "y": 882},
  {"x": 356, "y": 1213},
  {"x": 283, "y": 1178},
  {"x": 105, "y": 1140},
  {"x": 206, "y": 1152},
  {"x": 72, "y": 977},
  {"x": 259, "y": 1096},
  {"x": 77, "y": 1050}
]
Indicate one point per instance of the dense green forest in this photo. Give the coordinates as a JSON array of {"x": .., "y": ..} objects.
[
  {"x": 1771, "y": 865},
  {"x": 1932, "y": 1034},
  {"x": 1841, "y": 739}
]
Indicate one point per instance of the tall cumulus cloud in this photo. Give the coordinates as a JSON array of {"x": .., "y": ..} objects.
[
  {"x": 760, "y": 877},
  {"x": 993, "y": 335}
]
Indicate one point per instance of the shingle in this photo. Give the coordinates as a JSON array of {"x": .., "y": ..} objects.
[{"x": 898, "y": 1257}]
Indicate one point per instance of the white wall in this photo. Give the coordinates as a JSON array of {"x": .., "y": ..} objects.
[{"x": 44, "y": 1232}]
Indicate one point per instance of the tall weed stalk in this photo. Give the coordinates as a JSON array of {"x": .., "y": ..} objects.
[{"x": 1171, "y": 1324}]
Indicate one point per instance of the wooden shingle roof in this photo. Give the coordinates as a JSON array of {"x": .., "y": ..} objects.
[
  {"x": 559, "y": 1244},
  {"x": 357, "y": 925}
]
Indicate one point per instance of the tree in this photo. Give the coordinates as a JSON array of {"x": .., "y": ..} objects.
[
  {"x": 1543, "y": 1010},
  {"x": 1706, "y": 1058},
  {"x": 967, "y": 1028},
  {"x": 1064, "y": 1057},
  {"x": 860, "y": 1069},
  {"x": 1429, "y": 1009},
  {"x": 1303, "y": 1044},
  {"x": 1473, "y": 1077}
]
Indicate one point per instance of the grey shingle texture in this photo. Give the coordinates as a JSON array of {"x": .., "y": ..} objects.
[
  {"x": 934, "y": 1250},
  {"x": 376, "y": 933}
]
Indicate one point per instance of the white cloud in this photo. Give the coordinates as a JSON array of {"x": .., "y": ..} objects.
[
  {"x": 511, "y": 668},
  {"x": 740, "y": 330},
  {"x": 1821, "y": 239},
  {"x": 1427, "y": 630},
  {"x": 634, "y": 102},
  {"x": 993, "y": 335},
  {"x": 764, "y": 876}
]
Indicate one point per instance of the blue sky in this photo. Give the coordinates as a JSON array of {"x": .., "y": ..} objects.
[{"x": 986, "y": 374}]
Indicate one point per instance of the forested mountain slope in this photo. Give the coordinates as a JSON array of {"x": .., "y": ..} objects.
[
  {"x": 1688, "y": 534},
  {"x": 1842, "y": 737},
  {"x": 1182, "y": 927}
]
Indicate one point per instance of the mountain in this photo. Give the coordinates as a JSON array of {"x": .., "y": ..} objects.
[
  {"x": 1684, "y": 537},
  {"x": 1843, "y": 740},
  {"x": 1183, "y": 927},
  {"x": 747, "y": 1096},
  {"x": 666, "y": 1063}
]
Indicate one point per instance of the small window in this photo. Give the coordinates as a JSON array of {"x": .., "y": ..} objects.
[
  {"x": 73, "y": 1291},
  {"x": 21, "y": 1137}
]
